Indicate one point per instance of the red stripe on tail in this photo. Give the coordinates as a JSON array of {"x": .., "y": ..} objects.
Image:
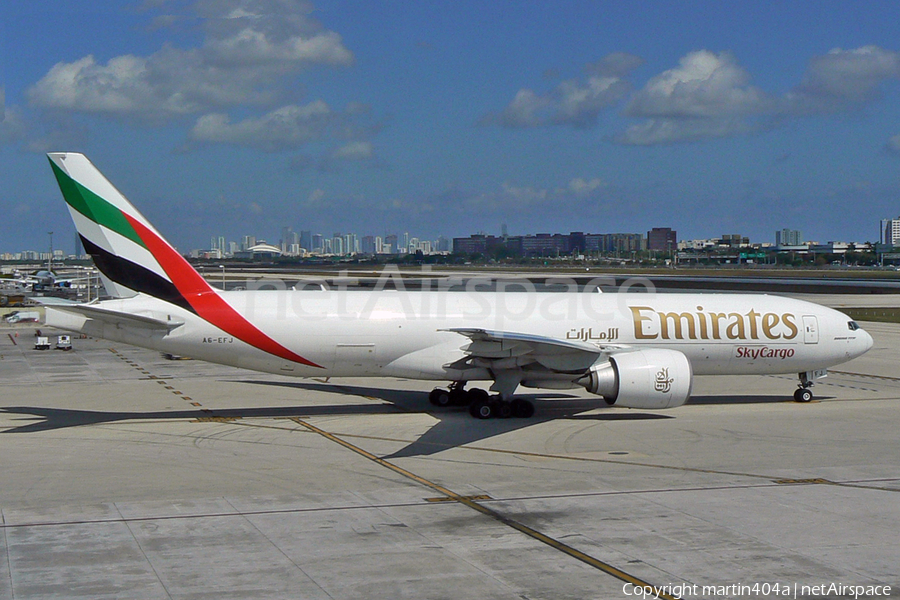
[{"x": 208, "y": 304}]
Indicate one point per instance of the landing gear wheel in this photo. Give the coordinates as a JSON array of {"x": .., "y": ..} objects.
[
  {"x": 482, "y": 409},
  {"x": 504, "y": 409},
  {"x": 476, "y": 395},
  {"x": 803, "y": 395},
  {"x": 439, "y": 397},
  {"x": 522, "y": 409},
  {"x": 458, "y": 394}
]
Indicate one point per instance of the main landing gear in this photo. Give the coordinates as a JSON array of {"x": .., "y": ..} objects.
[
  {"x": 481, "y": 404},
  {"x": 803, "y": 393}
]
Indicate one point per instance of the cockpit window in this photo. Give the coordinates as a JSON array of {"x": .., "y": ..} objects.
[{"x": 853, "y": 325}]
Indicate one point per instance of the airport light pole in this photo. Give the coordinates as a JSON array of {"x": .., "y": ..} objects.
[
  {"x": 223, "y": 276},
  {"x": 50, "y": 259}
]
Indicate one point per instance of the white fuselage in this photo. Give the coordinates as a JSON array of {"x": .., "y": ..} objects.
[{"x": 404, "y": 334}]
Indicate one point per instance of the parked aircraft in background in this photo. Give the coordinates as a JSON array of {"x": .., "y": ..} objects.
[
  {"x": 42, "y": 280},
  {"x": 635, "y": 350}
]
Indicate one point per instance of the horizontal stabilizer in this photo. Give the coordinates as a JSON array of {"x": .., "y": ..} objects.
[{"x": 115, "y": 317}]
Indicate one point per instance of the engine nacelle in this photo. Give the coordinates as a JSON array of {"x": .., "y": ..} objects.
[{"x": 651, "y": 379}]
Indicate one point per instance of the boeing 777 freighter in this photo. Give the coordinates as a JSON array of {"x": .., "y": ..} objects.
[{"x": 634, "y": 350}]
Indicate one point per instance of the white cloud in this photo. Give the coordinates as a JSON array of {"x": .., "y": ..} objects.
[
  {"x": 707, "y": 96},
  {"x": 575, "y": 103},
  {"x": 526, "y": 110},
  {"x": 287, "y": 127},
  {"x": 290, "y": 127},
  {"x": 843, "y": 77},
  {"x": 704, "y": 85},
  {"x": 356, "y": 150},
  {"x": 248, "y": 49},
  {"x": 583, "y": 187},
  {"x": 670, "y": 131},
  {"x": 12, "y": 123},
  {"x": 578, "y": 194}
]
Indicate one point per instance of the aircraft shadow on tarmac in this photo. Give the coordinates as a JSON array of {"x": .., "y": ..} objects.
[
  {"x": 744, "y": 399},
  {"x": 454, "y": 426}
]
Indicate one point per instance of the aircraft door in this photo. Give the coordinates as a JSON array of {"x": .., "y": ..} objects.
[{"x": 810, "y": 329}]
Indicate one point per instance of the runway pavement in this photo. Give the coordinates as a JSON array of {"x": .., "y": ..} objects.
[{"x": 125, "y": 475}]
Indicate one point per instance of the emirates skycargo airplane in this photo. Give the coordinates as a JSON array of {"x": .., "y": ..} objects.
[{"x": 634, "y": 350}]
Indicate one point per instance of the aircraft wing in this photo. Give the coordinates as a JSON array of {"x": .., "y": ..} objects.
[
  {"x": 115, "y": 317},
  {"x": 505, "y": 349}
]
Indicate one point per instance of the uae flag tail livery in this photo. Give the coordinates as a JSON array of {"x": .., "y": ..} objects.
[{"x": 133, "y": 257}]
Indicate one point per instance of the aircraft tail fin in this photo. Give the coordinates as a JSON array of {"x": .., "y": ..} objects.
[
  {"x": 134, "y": 257},
  {"x": 129, "y": 252}
]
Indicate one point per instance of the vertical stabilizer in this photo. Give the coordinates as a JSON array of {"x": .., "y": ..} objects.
[{"x": 134, "y": 258}]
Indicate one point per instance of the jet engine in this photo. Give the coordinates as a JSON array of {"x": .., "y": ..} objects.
[{"x": 650, "y": 379}]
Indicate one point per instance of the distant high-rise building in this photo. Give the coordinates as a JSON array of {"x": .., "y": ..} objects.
[
  {"x": 788, "y": 237},
  {"x": 289, "y": 239},
  {"x": 351, "y": 244},
  {"x": 890, "y": 232},
  {"x": 391, "y": 240},
  {"x": 734, "y": 240},
  {"x": 248, "y": 242},
  {"x": 662, "y": 239},
  {"x": 306, "y": 239},
  {"x": 318, "y": 243}
]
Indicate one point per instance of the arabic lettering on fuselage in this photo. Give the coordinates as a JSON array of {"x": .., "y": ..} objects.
[{"x": 586, "y": 334}]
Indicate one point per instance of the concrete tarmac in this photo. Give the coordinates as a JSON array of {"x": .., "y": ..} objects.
[{"x": 125, "y": 475}]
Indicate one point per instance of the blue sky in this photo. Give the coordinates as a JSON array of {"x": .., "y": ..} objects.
[{"x": 232, "y": 117}]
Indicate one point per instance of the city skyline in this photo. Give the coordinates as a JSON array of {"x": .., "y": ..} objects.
[
  {"x": 221, "y": 116},
  {"x": 397, "y": 244}
]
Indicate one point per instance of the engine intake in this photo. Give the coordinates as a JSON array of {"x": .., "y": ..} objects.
[{"x": 650, "y": 379}]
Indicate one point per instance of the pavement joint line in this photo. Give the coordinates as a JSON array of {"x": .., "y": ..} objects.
[
  {"x": 776, "y": 480},
  {"x": 9, "y": 568},
  {"x": 564, "y": 457},
  {"x": 885, "y": 377},
  {"x": 497, "y": 516},
  {"x": 161, "y": 380},
  {"x": 143, "y": 552},
  {"x": 205, "y": 515}
]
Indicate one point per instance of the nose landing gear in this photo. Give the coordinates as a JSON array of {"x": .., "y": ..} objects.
[{"x": 803, "y": 393}]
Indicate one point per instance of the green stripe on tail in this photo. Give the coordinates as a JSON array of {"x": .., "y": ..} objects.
[{"x": 94, "y": 207}]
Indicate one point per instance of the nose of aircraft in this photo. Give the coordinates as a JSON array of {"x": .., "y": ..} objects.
[{"x": 867, "y": 341}]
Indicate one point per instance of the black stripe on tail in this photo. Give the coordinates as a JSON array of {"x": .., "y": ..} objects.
[{"x": 134, "y": 276}]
